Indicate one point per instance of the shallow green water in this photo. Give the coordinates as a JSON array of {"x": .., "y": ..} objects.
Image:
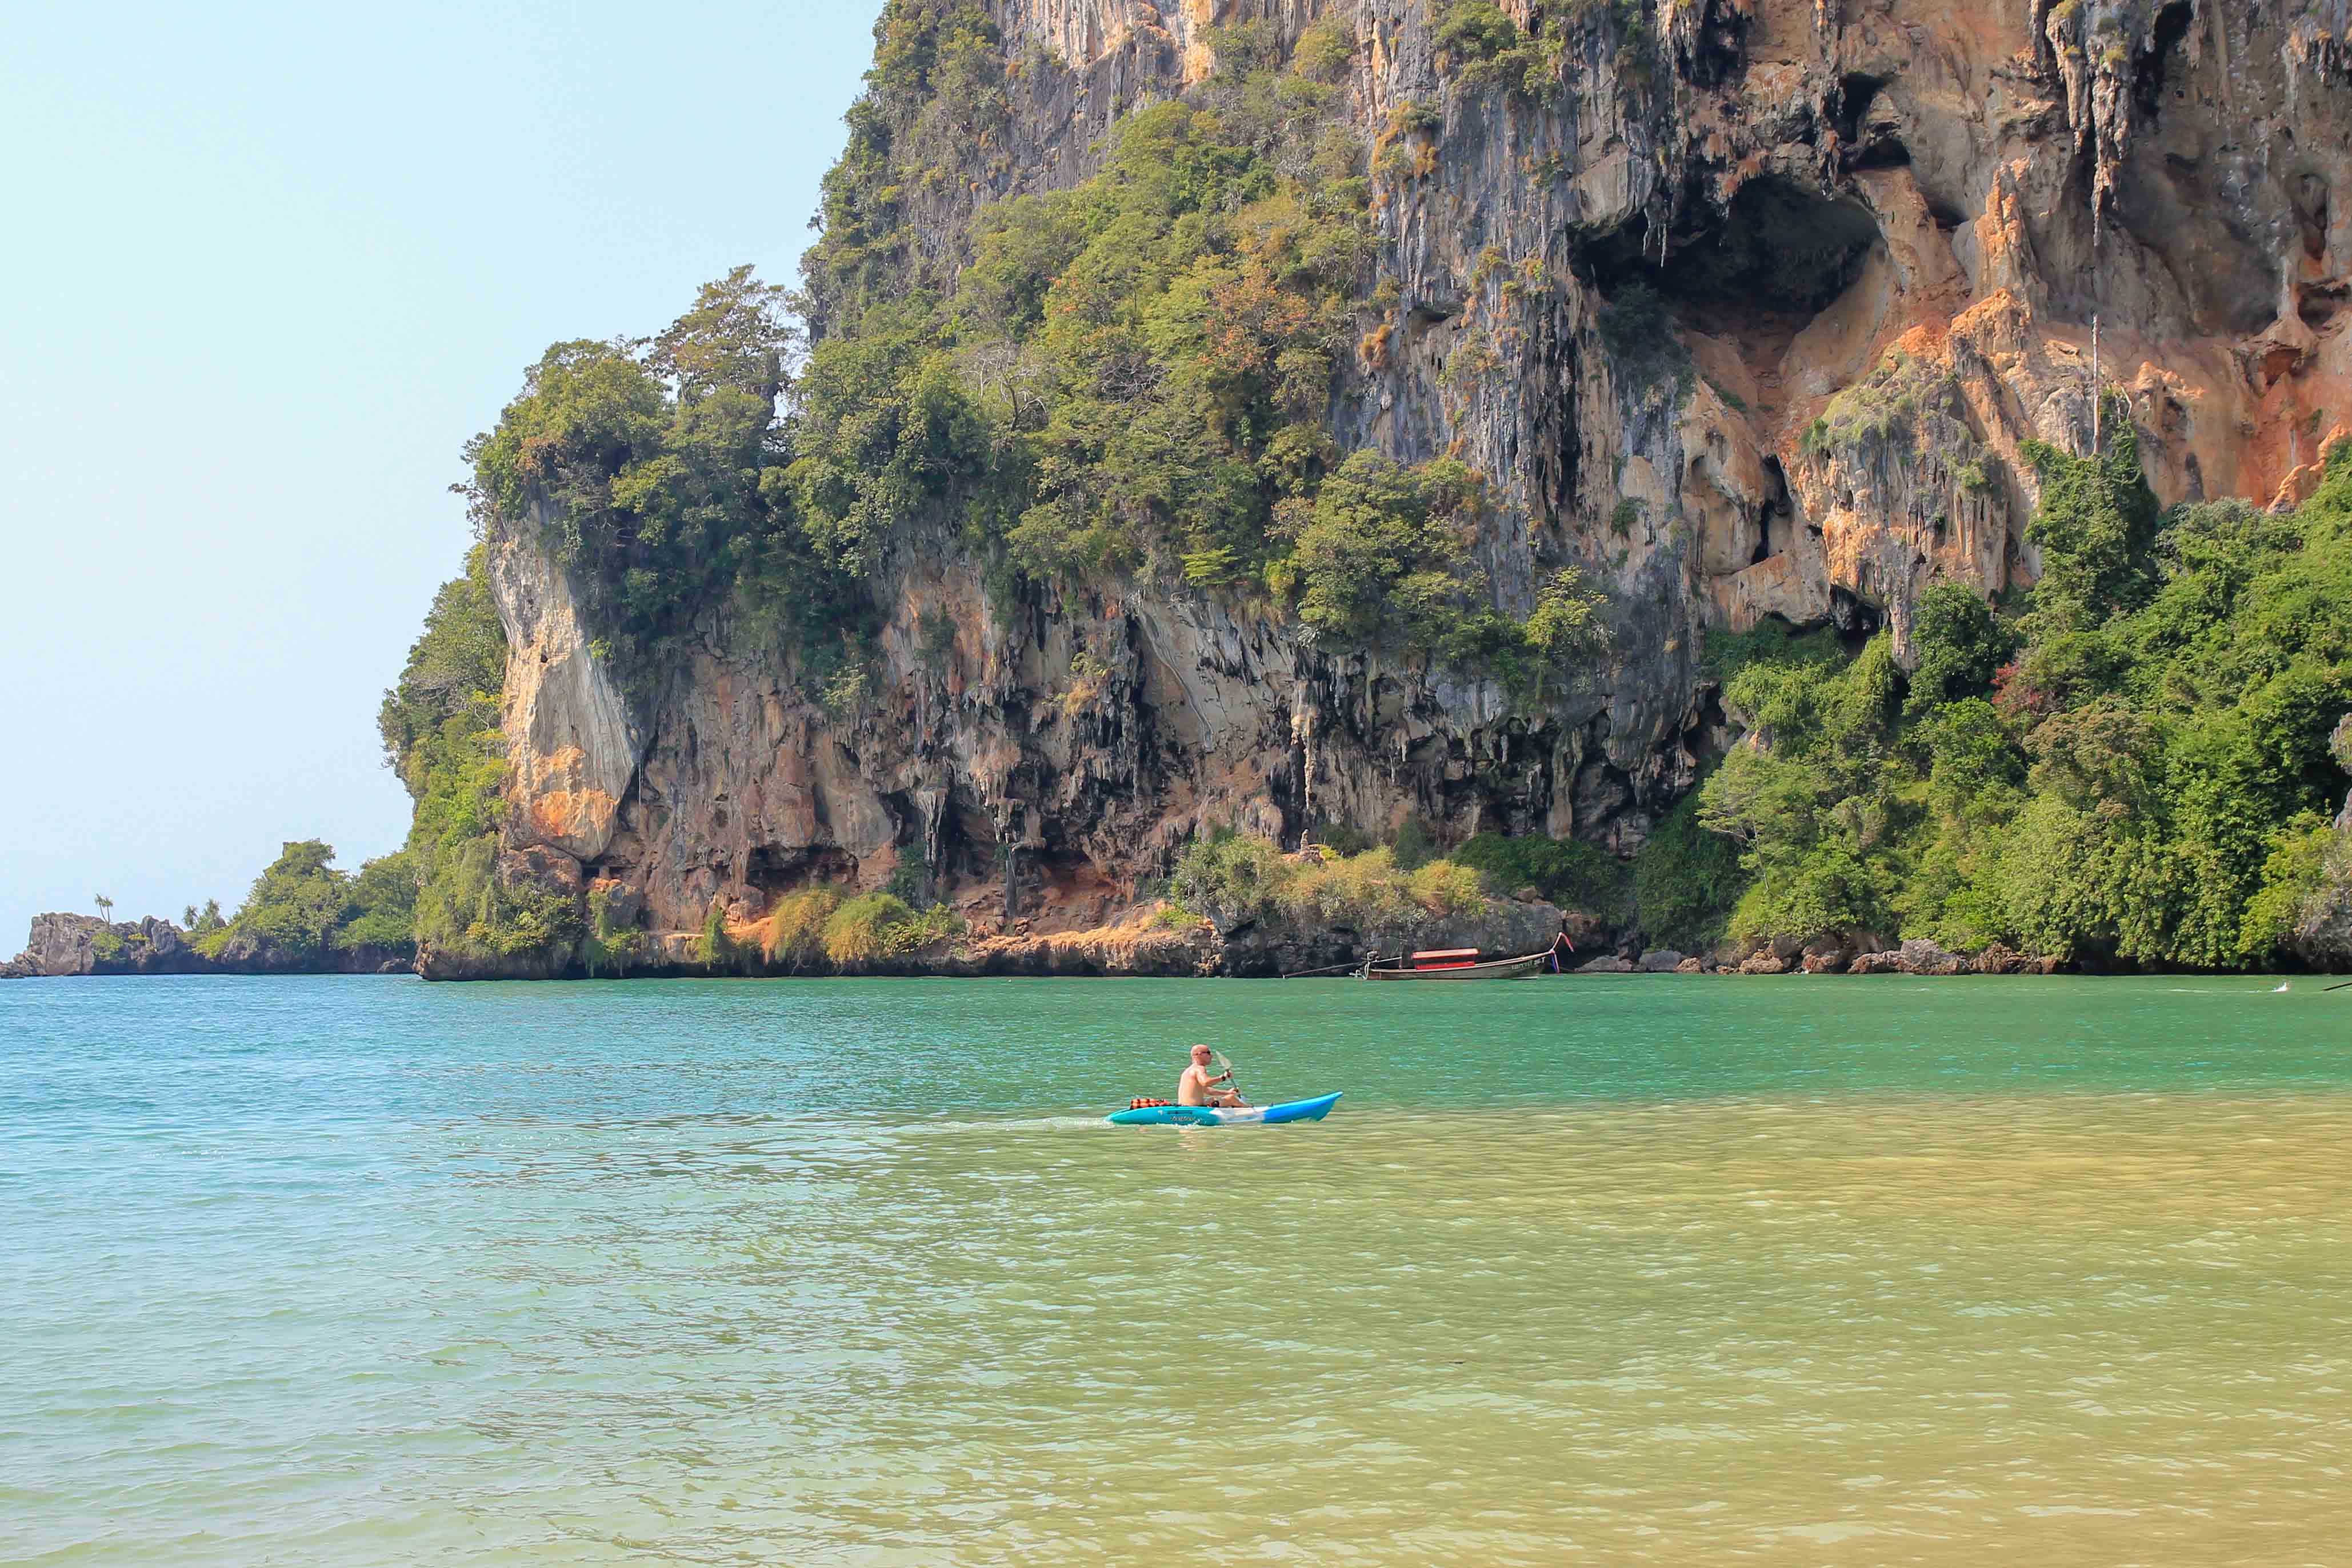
[{"x": 1640, "y": 1270}]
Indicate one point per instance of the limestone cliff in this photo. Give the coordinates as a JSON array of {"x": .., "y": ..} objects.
[{"x": 1887, "y": 241}]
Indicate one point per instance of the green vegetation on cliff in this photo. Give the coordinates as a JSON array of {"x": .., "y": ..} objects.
[
  {"x": 1572, "y": 875},
  {"x": 440, "y": 729},
  {"x": 818, "y": 928},
  {"x": 2136, "y": 770},
  {"x": 1133, "y": 376},
  {"x": 1677, "y": 892},
  {"x": 656, "y": 473},
  {"x": 1129, "y": 378},
  {"x": 1685, "y": 881}
]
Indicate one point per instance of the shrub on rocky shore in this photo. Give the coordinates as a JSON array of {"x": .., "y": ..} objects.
[{"x": 1235, "y": 879}]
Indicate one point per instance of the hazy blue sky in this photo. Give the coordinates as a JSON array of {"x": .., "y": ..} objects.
[{"x": 266, "y": 268}]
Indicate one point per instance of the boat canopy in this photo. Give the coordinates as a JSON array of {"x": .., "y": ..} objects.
[{"x": 1445, "y": 955}]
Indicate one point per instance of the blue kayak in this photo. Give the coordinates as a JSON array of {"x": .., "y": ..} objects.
[{"x": 1225, "y": 1116}]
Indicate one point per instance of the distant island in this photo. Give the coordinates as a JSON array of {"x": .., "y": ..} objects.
[{"x": 301, "y": 917}]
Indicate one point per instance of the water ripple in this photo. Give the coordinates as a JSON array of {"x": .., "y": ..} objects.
[{"x": 358, "y": 1272}]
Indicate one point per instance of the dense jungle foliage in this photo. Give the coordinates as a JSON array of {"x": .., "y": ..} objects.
[
  {"x": 302, "y": 910},
  {"x": 2135, "y": 769}
]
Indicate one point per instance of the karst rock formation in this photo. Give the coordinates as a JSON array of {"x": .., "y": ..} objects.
[{"x": 1880, "y": 231}]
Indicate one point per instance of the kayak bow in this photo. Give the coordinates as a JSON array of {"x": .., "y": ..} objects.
[{"x": 1224, "y": 1116}]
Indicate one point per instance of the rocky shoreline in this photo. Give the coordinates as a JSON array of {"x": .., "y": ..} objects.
[
  {"x": 1142, "y": 943},
  {"x": 1915, "y": 957}
]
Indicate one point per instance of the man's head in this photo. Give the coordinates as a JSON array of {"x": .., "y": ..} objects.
[{"x": 1201, "y": 1055}]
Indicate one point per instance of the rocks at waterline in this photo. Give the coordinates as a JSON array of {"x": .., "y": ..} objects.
[
  {"x": 64, "y": 944},
  {"x": 60, "y": 945},
  {"x": 1253, "y": 944}
]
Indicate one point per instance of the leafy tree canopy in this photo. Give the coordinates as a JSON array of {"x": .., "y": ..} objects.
[{"x": 2137, "y": 770}]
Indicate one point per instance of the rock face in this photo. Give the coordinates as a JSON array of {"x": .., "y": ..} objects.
[
  {"x": 1507, "y": 927},
  {"x": 1134, "y": 947},
  {"x": 69, "y": 944},
  {"x": 2323, "y": 935},
  {"x": 574, "y": 749},
  {"x": 1879, "y": 238},
  {"x": 63, "y": 944},
  {"x": 2340, "y": 743}
]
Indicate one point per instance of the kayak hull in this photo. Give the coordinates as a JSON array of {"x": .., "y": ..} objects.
[{"x": 1225, "y": 1116}]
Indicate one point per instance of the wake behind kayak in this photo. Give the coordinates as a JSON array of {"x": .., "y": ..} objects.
[{"x": 1223, "y": 1115}]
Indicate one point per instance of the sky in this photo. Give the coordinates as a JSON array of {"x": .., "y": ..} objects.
[{"x": 264, "y": 271}]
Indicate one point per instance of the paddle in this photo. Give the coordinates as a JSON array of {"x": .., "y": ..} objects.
[
  {"x": 2339, "y": 987},
  {"x": 1226, "y": 1069}
]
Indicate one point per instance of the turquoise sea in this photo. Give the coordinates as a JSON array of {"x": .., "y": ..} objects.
[{"x": 1624, "y": 1270}]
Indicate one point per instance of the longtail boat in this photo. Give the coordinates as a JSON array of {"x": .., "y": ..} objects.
[{"x": 1456, "y": 963}]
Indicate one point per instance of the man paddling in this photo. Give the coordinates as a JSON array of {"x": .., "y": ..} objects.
[{"x": 1197, "y": 1088}]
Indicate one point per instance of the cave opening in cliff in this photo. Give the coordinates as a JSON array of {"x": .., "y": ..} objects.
[
  {"x": 2309, "y": 195},
  {"x": 970, "y": 845},
  {"x": 1776, "y": 524},
  {"x": 2154, "y": 68},
  {"x": 1857, "y": 619},
  {"x": 773, "y": 870},
  {"x": 1869, "y": 131},
  {"x": 1776, "y": 249},
  {"x": 2317, "y": 304},
  {"x": 1855, "y": 91}
]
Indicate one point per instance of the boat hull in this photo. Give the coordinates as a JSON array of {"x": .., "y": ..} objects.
[
  {"x": 1223, "y": 1115},
  {"x": 1500, "y": 969}
]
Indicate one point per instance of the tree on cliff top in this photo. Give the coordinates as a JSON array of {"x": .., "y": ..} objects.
[
  {"x": 454, "y": 672},
  {"x": 299, "y": 901},
  {"x": 656, "y": 471},
  {"x": 738, "y": 338}
]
